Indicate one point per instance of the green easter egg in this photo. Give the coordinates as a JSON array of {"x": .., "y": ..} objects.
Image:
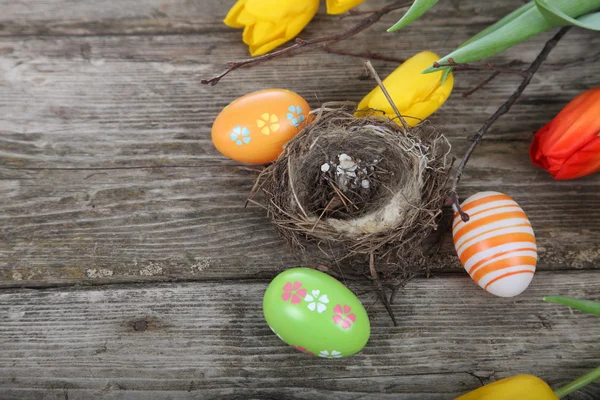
[{"x": 316, "y": 314}]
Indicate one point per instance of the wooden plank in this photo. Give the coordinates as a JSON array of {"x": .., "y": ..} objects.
[
  {"x": 209, "y": 340},
  {"x": 59, "y": 17},
  {"x": 93, "y": 92},
  {"x": 108, "y": 174},
  {"x": 69, "y": 226},
  {"x": 89, "y": 17}
]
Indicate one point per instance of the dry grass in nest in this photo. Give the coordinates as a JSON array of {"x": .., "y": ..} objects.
[{"x": 360, "y": 189}]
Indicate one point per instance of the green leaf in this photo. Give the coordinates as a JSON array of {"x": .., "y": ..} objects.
[
  {"x": 431, "y": 69},
  {"x": 529, "y": 23},
  {"x": 509, "y": 18},
  {"x": 445, "y": 75},
  {"x": 519, "y": 26},
  {"x": 418, "y": 8},
  {"x": 577, "y": 384},
  {"x": 588, "y": 306},
  {"x": 558, "y": 18},
  {"x": 590, "y": 21}
]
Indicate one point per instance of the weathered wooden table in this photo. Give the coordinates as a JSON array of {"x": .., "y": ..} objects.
[{"x": 129, "y": 267}]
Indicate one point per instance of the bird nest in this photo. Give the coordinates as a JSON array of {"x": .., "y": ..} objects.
[{"x": 360, "y": 189}]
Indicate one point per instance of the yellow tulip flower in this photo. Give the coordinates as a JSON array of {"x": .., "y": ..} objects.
[
  {"x": 416, "y": 95},
  {"x": 341, "y": 6},
  {"x": 270, "y": 23},
  {"x": 518, "y": 387}
]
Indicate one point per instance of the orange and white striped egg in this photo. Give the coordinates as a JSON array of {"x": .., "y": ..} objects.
[{"x": 497, "y": 245}]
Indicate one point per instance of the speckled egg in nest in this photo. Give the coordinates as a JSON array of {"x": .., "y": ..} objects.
[{"x": 356, "y": 187}]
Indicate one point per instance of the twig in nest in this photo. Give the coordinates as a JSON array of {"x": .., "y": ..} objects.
[
  {"x": 382, "y": 294},
  {"x": 503, "y": 109},
  {"x": 413, "y": 188},
  {"x": 289, "y": 166},
  {"x": 366, "y": 55},
  {"x": 361, "y": 25},
  {"x": 387, "y": 95}
]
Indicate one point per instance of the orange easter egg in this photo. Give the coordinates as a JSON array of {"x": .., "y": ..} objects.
[
  {"x": 497, "y": 245},
  {"x": 254, "y": 128}
]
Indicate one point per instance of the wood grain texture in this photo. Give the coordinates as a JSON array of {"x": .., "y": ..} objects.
[
  {"x": 68, "y": 226},
  {"x": 209, "y": 340},
  {"x": 107, "y": 172},
  {"x": 151, "y": 17}
]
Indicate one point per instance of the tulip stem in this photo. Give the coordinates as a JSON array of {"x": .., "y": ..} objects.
[
  {"x": 578, "y": 383},
  {"x": 588, "y": 306},
  {"x": 503, "y": 109},
  {"x": 361, "y": 25},
  {"x": 387, "y": 95}
]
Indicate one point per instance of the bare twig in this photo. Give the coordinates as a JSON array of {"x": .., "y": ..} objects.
[
  {"x": 486, "y": 67},
  {"x": 586, "y": 60},
  {"x": 498, "y": 69},
  {"x": 354, "y": 13},
  {"x": 382, "y": 294},
  {"x": 394, "y": 293},
  {"x": 455, "y": 203},
  {"x": 366, "y": 55},
  {"x": 503, "y": 109},
  {"x": 361, "y": 25},
  {"x": 488, "y": 79},
  {"x": 482, "y": 84},
  {"x": 459, "y": 67},
  {"x": 387, "y": 95},
  {"x": 549, "y": 67}
]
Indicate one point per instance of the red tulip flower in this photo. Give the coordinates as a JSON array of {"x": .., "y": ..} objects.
[{"x": 569, "y": 145}]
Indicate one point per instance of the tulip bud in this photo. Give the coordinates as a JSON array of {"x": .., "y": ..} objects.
[
  {"x": 270, "y": 23},
  {"x": 341, "y": 6},
  {"x": 569, "y": 145},
  {"x": 416, "y": 95},
  {"x": 519, "y": 387}
]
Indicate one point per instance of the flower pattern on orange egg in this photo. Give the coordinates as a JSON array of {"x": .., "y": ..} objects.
[
  {"x": 268, "y": 123},
  {"x": 255, "y": 127},
  {"x": 295, "y": 115},
  {"x": 240, "y": 135}
]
